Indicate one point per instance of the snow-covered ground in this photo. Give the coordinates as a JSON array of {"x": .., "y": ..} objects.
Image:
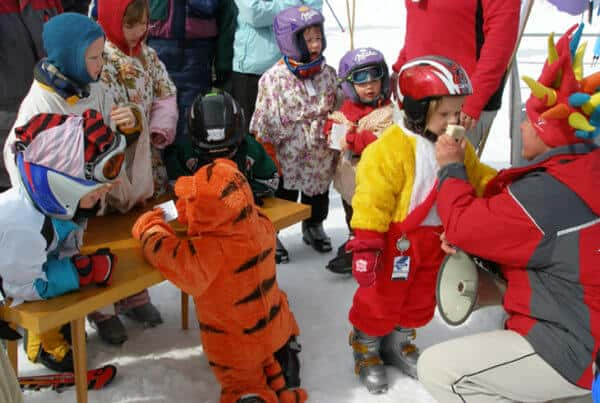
[{"x": 166, "y": 364}]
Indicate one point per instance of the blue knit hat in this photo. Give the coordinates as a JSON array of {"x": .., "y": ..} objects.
[{"x": 66, "y": 38}]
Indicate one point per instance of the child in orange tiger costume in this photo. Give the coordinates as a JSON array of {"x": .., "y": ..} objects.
[{"x": 227, "y": 264}]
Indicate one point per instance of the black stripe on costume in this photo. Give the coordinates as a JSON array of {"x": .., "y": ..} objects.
[
  {"x": 253, "y": 261},
  {"x": 297, "y": 395},
  {"x": 176, "y": 249},
  {"x": 209, "y": 171},
  {"x": 263, "y": 322},
  {"x": 229, "y": 189},
  {"x": 158, "y": 243},
  {"x": 218, "y": 366},
  {"x": 246, "y": 211},
  {"x": 145, "y": 241},
  {"x": 192, "y": 248},
  {"x": 263, "y": 288},
  {"x": 209, "y": 328}
]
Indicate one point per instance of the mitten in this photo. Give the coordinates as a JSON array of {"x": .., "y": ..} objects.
[
  {"x": 148, "y": 220},
  {"x": 366, "y": 248},
  {"x": 96, "y": 267}
]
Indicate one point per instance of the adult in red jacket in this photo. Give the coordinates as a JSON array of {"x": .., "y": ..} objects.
[
  {"x": 541, "y": 223},
  {"x": 480, "y": 35}
]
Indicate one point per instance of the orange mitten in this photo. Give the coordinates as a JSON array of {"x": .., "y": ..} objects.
[{"x": 148, "y": 220}]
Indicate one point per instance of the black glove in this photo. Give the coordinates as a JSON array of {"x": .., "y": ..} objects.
[
  {"x": 221, "y": 79},
  {"x": 7, "y": 332}
]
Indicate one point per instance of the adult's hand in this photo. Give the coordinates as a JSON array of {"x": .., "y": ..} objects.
[{"x": 446, "y": 246}]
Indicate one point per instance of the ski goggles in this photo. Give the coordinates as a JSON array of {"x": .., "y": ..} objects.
[
  {"x": 108, "y": 166},
  {"x": 366, "y": 74}
]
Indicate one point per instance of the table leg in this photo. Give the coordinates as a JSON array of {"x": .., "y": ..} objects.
[
  {"x": 80, "y": 359},
  {"x": 184, "y": 310}
]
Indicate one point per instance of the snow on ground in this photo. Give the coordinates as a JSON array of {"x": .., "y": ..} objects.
[{"x": 166, "y": 364}]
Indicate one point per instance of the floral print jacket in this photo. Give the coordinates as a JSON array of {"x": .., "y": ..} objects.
[
  {"x": 144, "y": 82},
  {"x": 290, "y": 114}
]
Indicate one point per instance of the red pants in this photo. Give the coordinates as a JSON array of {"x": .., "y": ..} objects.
[{"x": 408, "y": 302}]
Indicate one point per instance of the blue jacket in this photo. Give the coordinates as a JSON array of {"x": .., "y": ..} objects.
[{"x": 254, "y": 46}]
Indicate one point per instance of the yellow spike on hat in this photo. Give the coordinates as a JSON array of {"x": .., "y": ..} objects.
[
  {"x": 578, "y": 61},
  {"x": 580, "y": 122},
  {"x": 552, "y": 52},
  {"x": 540, "y": 90}
]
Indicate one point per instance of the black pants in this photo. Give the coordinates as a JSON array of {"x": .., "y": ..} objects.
[
  {"x": 348, "y": 212},
  {"x": 319, "y": 203},
  {"x": 244, "y": 88}
]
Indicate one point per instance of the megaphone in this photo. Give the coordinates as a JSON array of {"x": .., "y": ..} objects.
[{"x": 464, "y": 284}]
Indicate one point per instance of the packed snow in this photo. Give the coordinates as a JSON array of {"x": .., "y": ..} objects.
[{"x": 166, "y": 364}]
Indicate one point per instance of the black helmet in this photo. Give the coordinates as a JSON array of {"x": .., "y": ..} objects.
[{"x": 216, "y": 124}]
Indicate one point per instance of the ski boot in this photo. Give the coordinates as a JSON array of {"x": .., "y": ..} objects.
[
  {"x": 367, "y": 362},
  {"x": 281, "y": 253},
  {"x": 111, "y": 330},
  {"x": 287, "y": 357},
  {"x": 342, "y": 263},
  {"x": 314, "y": 235},
  {"x": 398, "y": 350},
  {"x": 146, "y": 314}
]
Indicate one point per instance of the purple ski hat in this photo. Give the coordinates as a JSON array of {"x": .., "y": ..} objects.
[{"x": 288, "y": 27}]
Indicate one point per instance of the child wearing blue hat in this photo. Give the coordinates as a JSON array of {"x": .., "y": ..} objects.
[{"x": 64, "y": 83}]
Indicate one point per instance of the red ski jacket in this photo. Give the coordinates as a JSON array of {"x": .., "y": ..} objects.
[
  {"x": 479, "y": 35},
  {"x": 541, "y": 223}
]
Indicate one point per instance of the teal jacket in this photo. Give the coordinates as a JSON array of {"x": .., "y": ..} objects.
[{"x": 254, "y": 46}]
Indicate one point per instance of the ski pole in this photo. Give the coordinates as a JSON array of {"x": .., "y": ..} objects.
[{"x": 334, "y": 16}]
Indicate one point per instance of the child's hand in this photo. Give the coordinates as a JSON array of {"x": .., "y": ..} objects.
[
  {"x": 448, "y": 151},
  {"x": 467, "y": 122},
  {"x": 158, "y": 139},
  {"x": 123, "y": 117},
  {"x": 343, "y": 144}
]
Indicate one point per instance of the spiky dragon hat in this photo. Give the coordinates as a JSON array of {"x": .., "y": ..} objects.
[{"x": 564, "y": 107}]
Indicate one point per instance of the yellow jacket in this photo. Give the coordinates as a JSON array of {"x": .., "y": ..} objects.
[{"x": 387, "y": 173}]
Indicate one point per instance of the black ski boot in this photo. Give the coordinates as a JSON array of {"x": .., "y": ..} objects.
[
  {"x": 342, "y": 263},
  {"x": 314, "y": 235},
  {"x": 287, "y": 357}
]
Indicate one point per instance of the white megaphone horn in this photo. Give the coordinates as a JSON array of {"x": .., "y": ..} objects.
[{"x": 464, "y": 284}]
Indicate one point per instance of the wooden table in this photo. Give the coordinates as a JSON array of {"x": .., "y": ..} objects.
[{"x": 132, "y": 275}]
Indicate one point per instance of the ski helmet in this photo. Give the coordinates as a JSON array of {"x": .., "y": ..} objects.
[
  {"x": 90, "y": 154},
  {"x": 216, "y": 124},
  {"x": 360, "y": 66},
  {"x": 289, "y": 25},
  {"x": 426, "y": 78}
]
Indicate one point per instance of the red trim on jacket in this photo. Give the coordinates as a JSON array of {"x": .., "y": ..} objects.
[{"x": 434, "y": 27}]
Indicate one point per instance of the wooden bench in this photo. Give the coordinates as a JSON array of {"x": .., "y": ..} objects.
[{"x": 133, "y": 274}]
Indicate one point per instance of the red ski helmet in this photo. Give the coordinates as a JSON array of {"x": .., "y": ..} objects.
[{"x": 429, "y": 77}]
